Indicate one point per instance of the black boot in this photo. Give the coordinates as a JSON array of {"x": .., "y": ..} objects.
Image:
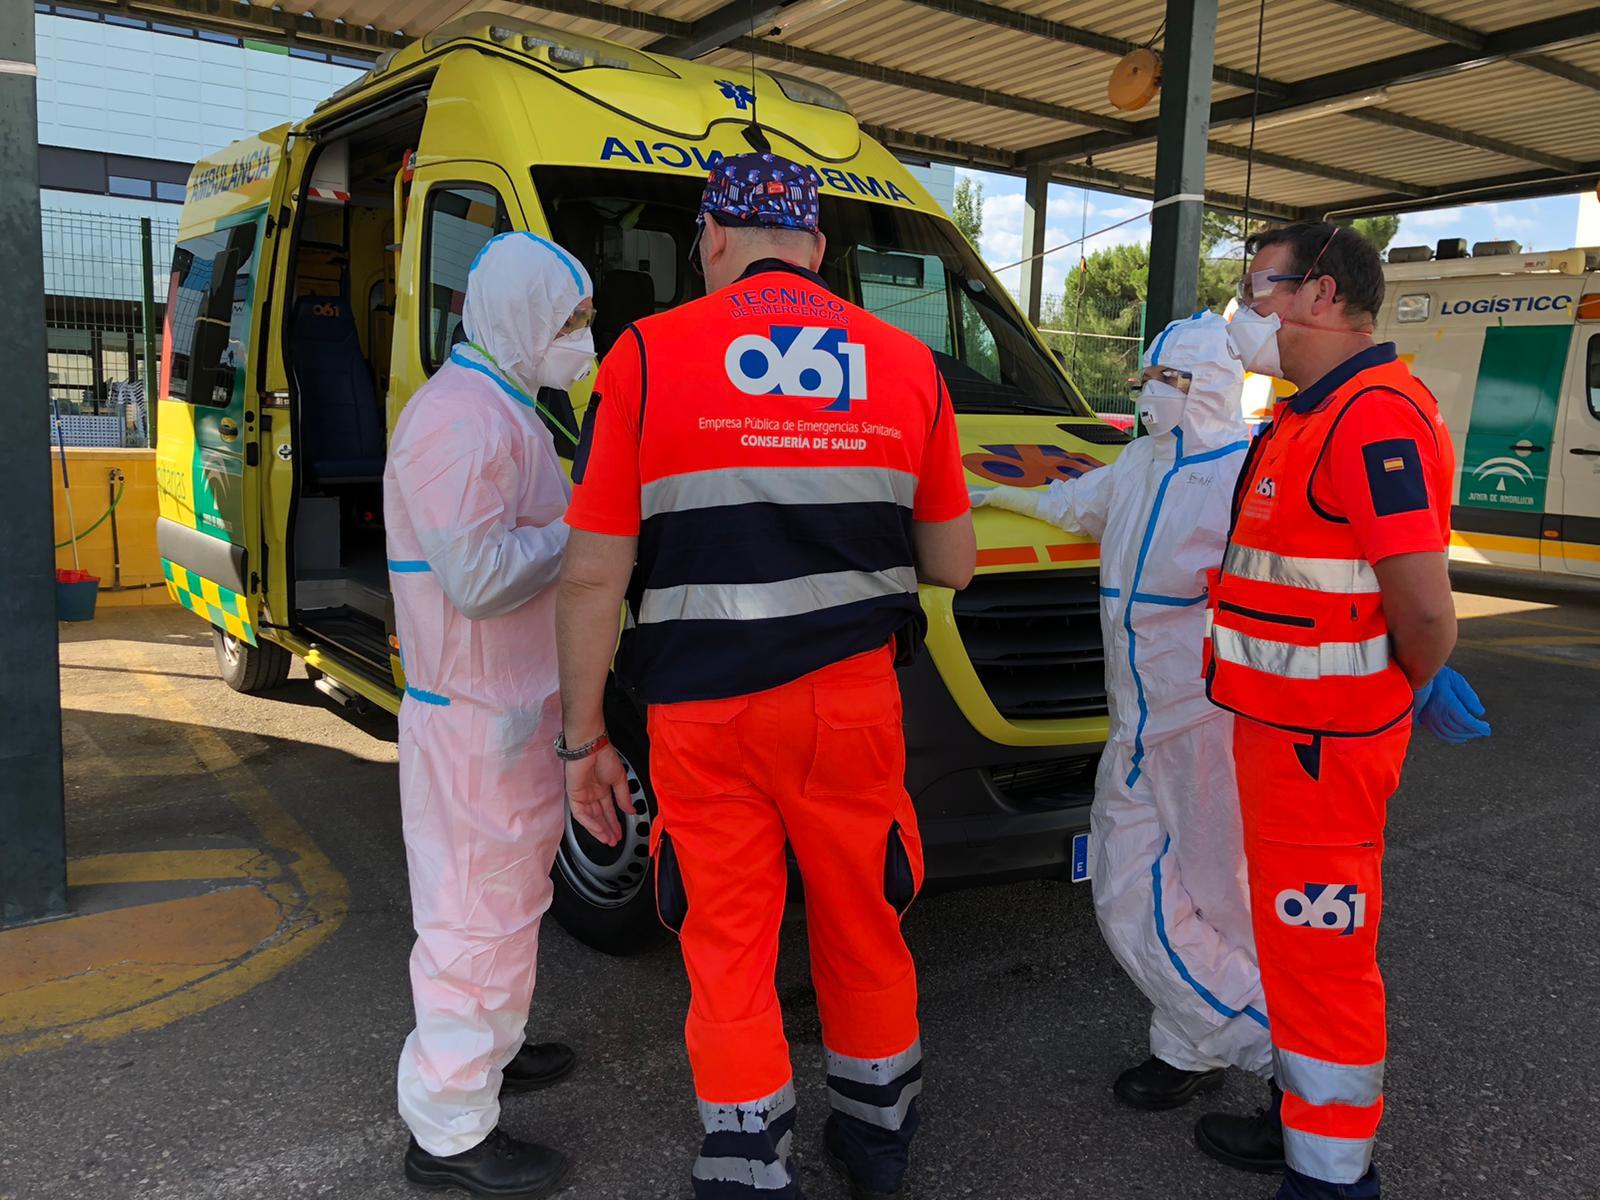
[
  {"x": 1155, "y": 1085},
  {"x": 537, "y": 1067},
  {"x": 1248, "y": 1143},
  {"x": 835, "y": 1159},
  {"x": 500, "y": 1165}
]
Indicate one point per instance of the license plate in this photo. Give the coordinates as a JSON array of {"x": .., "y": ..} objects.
[{"x": 1081, "y": 869}]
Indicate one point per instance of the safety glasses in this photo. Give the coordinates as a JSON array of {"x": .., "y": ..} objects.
[
  {"x": 581, "y": 318},
  {"x": 1170, "y": 376},
  {"x": 1259, "y": 283}
]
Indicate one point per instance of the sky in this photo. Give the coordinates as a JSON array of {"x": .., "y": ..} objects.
[{"x": 1111, "y": 220}]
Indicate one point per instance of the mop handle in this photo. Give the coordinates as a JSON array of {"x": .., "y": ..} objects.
[{"x": 66, "y": 487}]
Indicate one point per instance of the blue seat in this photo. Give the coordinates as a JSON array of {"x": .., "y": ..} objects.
[{"x": 341, "y": 420}]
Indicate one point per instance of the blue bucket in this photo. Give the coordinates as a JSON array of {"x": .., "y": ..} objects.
[{"x": 76, "y": 592}]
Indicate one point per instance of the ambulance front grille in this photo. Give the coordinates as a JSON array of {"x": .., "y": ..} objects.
[{"x": 1034, "y": 640}]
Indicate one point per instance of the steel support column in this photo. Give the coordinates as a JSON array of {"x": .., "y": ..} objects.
[
  {"x": 32, "y": 833},
  {"x": 1035, "y": 217},
  {"x": 1181, "y": 130}
]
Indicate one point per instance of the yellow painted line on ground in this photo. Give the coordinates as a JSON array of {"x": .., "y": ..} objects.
[
  {"x": 307, "y": 908},
  {"x": 1513, "y": 651},
  {"x": 161, "y": 865},
  {"x": 116, "y": 961}
]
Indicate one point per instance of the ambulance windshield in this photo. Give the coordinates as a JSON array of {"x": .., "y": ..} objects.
[{"x": 633, "y": 230}]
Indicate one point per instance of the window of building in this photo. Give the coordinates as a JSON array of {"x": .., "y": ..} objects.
[
  {"x": 64, "y": 169},
  {"x": 121, "y": 185},
  {"x": 208, "y": 314},
  {"x": 461, "y": 218}
]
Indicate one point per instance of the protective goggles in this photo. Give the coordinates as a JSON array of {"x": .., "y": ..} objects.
[
  {"x": 1259, "y": 283},
  {"x": 581, "y": 318},
  {"x": 694, "y": 246},
  {"x": 1170, "y": 376}
]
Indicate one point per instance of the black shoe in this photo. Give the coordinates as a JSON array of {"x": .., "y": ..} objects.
[
  {"x": 1248, "y": 1143},
  {"x": 857, "y": 1192},
  {"x": 500, "y": 1165},
  {"x": 537, "y": 1067},
  {"x": 1155, "y": 1085}
]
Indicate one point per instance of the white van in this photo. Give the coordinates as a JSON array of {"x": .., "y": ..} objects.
[{"x": 1510, "y": 344}]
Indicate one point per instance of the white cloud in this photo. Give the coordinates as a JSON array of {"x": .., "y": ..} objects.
[
  {"x": 1439, "y": 218},
  {"x": 1003, "y": 219}
]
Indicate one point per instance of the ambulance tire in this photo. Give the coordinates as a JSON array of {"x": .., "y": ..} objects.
[
  {"x": 247, "y": 668},
  {"x": 606, "y": 896}
]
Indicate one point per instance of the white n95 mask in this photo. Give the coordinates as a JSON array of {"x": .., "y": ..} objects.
[
  {"x": 1161, "y": 406},
  {"x": 1255, "y": 340},
  {"x": 568, "y": 360}
]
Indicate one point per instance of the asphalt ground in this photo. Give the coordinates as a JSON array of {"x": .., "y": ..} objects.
[{"x": 272, "y": 1075}]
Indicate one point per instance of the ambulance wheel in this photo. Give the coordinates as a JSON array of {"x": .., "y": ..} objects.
[
  {"x": 247, "y": 668},
  {"x": 605, "y": 896}
]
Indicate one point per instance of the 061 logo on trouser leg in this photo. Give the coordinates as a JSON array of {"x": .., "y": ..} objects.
[{"x": 1335, "y": 906}]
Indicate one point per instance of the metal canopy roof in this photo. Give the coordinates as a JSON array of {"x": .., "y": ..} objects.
[{"x": 1363, "y": 104}]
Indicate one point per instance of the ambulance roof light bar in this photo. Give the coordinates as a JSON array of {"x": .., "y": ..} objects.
[{"x": 1560, "y": 262}]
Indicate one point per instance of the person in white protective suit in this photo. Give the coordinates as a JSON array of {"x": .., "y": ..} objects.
[
  {"x": 1170, "y": 887},
  {"x": 473, "y": 499}
]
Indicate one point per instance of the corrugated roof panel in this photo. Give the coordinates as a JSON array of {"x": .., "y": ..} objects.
[
  {"x": 1358, "y": 145},
  {"x": 1511, "y": 102},
  {"x": 1487, "y": 16}
]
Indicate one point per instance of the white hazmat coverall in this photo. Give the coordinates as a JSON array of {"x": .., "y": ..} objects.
[
  {"x": 1170, "y": 886},
  {"x": 473, "y": 499}
]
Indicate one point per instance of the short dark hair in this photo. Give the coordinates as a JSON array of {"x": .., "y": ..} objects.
[{"x": 1338, "y": 252}]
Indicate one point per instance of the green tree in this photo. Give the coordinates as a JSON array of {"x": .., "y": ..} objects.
[{"x": 968, "y": 210}]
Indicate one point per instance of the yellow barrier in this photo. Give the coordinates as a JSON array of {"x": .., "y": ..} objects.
[{"x": 90, "y": 470}]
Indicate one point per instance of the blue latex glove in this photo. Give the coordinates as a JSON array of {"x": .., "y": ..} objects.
[{"x": 1448, "y": 708}]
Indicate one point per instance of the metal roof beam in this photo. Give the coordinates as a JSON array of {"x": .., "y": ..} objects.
[
  {"x": 1075, "y": 35},
  {"x": 235, "y": 18},
  {"x": 969, "y": 154},
  {"x": 1521, "y": 186},
  {"x": 1449, "y": 133},
  {"x": 1301, "y": 166},
  {"x": 737, "y": 18},
  {"x": 1534, "y": 37},
  {"x": 611, "y": 14},
  {"x": 858, "y": 69},
  {"x": 1463, "y": 35}
]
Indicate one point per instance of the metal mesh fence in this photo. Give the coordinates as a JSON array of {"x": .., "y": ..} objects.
[
  {"x": 97, "y": 318},
  {"x": 1099, "y": 342}
]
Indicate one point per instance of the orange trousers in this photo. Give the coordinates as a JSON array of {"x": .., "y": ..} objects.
[
  {"x": 817, "y": 765},
  {"x": 1314, "y": 812}
]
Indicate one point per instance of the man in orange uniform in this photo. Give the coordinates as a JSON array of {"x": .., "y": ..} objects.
[
  {"x": 766, "y": 474},
  {"x": 1331, "y": 620}
]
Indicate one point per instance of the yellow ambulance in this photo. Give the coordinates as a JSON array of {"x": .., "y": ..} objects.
[
  {"x": 318, "y": 282},
  {"x": 1509, "y": 342}
]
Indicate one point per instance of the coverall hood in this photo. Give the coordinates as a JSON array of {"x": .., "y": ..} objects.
[
  {"x": 520, "y": 292},
  {"x": 1199, "y": 345}
]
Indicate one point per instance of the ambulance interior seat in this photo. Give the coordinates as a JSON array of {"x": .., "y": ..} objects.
[
  {"x": 341, "y": 419},
  {"x": 621, "y": 298}
]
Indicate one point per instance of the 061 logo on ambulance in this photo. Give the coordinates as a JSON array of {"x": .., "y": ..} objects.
[{"x": 804, "y": 360}]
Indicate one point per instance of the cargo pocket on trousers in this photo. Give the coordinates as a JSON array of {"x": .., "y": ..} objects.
[
  {"x": 672, "y": 899},
  {"x": 902, "y": 868},
  {"x": 860, "y": 740}
]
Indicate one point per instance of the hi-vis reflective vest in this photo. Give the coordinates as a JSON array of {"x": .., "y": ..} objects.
[
  {"x": 770, "y": 445},
  {"x": 1297, "y": 637}
]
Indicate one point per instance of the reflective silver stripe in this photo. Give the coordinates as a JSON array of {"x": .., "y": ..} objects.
[
  {"x": 875, "y": 1071},
  {"x": 890, "y": 1118},
  {"x": 1319, "y": 1082},
  {"x": 1284, "y": 659},
  {"x": 1330, "y": 1159},
  {"x": 749, "y": 1172},
  {"x": 782, "y": 598},
  {"x": 778, "y": 485},
  {"x": 754, "y": 1116},
  {"x": 1341, "y": 576}
]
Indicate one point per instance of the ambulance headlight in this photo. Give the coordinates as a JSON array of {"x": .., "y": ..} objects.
[
  {"x": 1413, "y": 308},
  {"x": 803, "y": 91}
]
